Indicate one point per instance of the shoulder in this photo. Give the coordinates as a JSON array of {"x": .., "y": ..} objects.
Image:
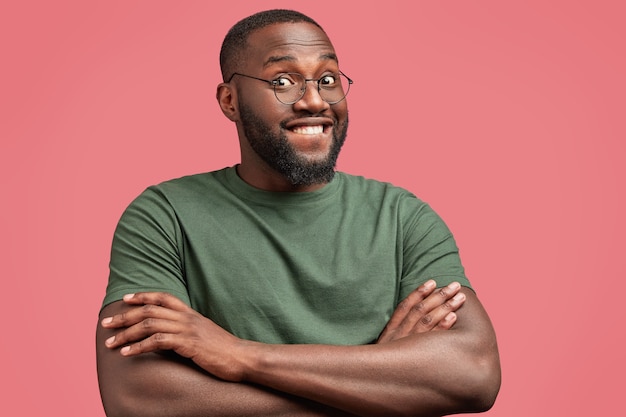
[
  {"x": 386, "y": 199},
  {"x": 378, "y": 191},
  {"x": 163, "y": 200},
  {"x": 190, "y": 183},
  {"x": 182, "y": 189}
]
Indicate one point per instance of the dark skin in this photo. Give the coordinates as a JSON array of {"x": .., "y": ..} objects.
[
  {"x": 274, "y": 50},
  {"x": 156, "y": 356},
  {"x": 171, "y": 384}
]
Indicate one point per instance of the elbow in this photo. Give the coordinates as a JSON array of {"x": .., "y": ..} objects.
[
  {"x": 120, "y": 406},
  {"x": 483, "y": 386},
  {"x": 483, "y": 399},
  {"x": 123, "y": 398}
]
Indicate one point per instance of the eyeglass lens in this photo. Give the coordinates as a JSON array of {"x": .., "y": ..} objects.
[{"x": 289, "y": 88}]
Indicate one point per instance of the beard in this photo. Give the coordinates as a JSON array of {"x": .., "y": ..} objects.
[{"x": 279, "y": 154}]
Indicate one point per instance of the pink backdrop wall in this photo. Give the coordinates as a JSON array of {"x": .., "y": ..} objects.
[{"x": 508, "y": 117}]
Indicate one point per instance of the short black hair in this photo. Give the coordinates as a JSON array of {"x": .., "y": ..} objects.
[{"x": 237, "y": 37}]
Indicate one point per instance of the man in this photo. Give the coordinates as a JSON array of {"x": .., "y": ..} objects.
[{"x": 280, "y": 287}]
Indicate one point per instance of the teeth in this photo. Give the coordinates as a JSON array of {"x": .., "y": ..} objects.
[{"x": 309, "y": 130}]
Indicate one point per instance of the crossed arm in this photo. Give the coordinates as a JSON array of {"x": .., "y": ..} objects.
[{"x": 156, "y": 356}]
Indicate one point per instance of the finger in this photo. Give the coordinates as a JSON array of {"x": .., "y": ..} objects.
[
  {"x": 154, "y": 343},
  {"x": 156, "y": 298},
  {"x": 447, "y": 322},
  {"x": 404, "y": 307},
  {"x": 414, "y": 298},
  {"x": 142, "y": 330},
  {"x": 137, "y": 314},
  {"x": 422, "y": 310},
  {"x": 435, "y": 317}
]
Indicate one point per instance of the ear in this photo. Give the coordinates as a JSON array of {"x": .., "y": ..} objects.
[{"x": 227, "y": 99}]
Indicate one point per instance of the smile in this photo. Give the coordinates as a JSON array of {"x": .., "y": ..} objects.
[{"x": 308, "y": 130}]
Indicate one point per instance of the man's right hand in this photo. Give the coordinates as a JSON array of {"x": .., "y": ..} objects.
[{"x": 425, "y": 309}]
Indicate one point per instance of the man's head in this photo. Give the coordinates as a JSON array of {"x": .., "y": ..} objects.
[
  {"x": 297, "y": 143},
  {"x": 235, "y": 42}
]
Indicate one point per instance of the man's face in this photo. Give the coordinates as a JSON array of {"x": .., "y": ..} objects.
[{"x": 300, "y": 141}]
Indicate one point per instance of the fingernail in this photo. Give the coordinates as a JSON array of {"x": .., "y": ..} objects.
[
  {"x": 430, "y": 284},
  {"x": 125, "y": 350},
  {"x": 107, "y": 320},
  {"x": 128, "y": 296},
  {"x": 454, "y": 286},
  {"x": 459, "y": 297},
  {"x": 110, "y": 341}
]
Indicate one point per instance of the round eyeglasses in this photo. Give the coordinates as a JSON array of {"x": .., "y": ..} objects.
[{"x": 290, "y": 87}]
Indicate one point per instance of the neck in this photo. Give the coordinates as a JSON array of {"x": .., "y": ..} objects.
[{"x": 269, "y": 180}]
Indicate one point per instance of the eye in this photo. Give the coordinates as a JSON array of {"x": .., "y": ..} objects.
[
  {"x": 328, "y": 81},
  {"x": 284, "y": 81}
]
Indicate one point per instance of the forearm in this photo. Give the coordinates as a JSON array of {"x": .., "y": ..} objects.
[
  {"x": 162, "y": 387},
  {"x": 419, "y": 374},
  {"x": 375, "y": 380},
  {"x": 156, "y": 384},
  {"x": 433, "y": 373}
]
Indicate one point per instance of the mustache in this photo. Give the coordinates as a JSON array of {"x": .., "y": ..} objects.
[{"x": 283, "y": 124}]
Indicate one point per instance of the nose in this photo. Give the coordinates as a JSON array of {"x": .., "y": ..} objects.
[{"x": 311, "y": 100}]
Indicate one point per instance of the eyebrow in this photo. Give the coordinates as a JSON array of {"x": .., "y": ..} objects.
[{"x": 290, "y": 58}]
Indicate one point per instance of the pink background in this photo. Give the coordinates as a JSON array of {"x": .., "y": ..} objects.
[{"x": 508, "y": 117}]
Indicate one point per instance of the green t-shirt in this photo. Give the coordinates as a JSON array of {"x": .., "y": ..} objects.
[{"x": 327, "y": 266}]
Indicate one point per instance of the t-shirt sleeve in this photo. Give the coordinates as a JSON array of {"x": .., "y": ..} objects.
[
  {"x": 429, "y": 250},
  {"x": 146, "y": 250}
]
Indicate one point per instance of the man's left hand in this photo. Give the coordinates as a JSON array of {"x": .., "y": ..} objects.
[{"x": 160, "y": 321}]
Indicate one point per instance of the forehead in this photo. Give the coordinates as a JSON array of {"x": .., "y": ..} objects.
[{"x": 288, "y": 42}]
